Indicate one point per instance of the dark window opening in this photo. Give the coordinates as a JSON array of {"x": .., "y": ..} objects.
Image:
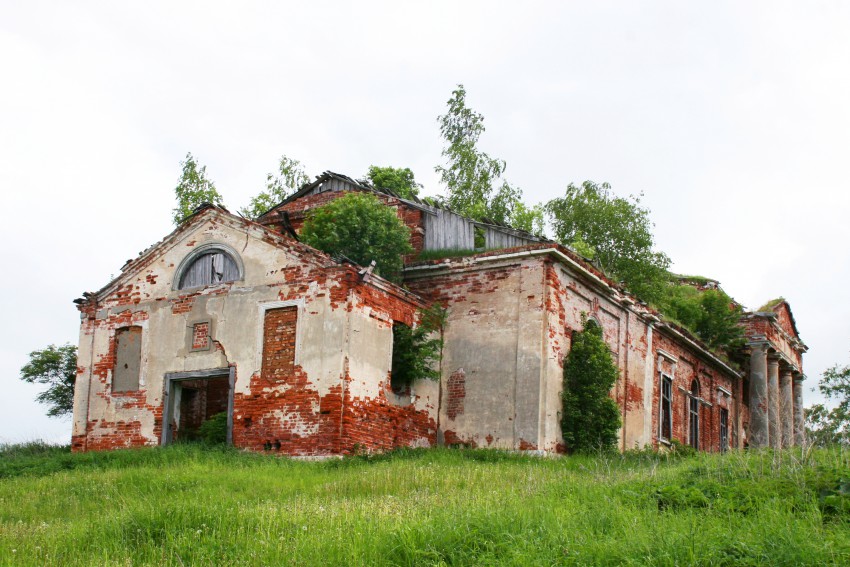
[
  {"x": 400, "y": 377},
  {"x": 724, "y": 430},
  {"x": 213, "y": 267},
  {"x": 693, "y": 416},
  {"x": 666, "y": 407}
]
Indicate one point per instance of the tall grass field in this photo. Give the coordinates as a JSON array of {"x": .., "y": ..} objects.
[{"x": 191, "y": 505}]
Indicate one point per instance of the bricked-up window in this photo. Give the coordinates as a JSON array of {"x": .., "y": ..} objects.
[
  {"x": 210, "y": 268},
  {"x": 128, "y": 359},
  {"x": 201, "y": 336},
  {"x": 693, "y": 415},
  {"x": 279, "y": 343},
  {"x": 666, "y": 407},
  {"x": 724, "y": 429}
]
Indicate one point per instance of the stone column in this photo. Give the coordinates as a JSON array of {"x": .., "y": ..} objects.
[
  {"x": 786, "y": 407},
  {"x": 773, "y": 402},
  {"x": 758, "y": 433},
  {"x": 799, "y": 418}
]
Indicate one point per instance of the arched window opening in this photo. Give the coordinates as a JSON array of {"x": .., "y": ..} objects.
[
  {"x": 212, "y": 267},
  {"x": 693, "y": 415}
]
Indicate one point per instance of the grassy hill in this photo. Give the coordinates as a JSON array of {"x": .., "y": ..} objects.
[{"x": 186, "y": 505}]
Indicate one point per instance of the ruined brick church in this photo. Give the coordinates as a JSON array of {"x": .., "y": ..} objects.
[{"x": 228, "y": 315}]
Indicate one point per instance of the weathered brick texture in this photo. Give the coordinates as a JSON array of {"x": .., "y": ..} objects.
[
  {"x": 200, "y": 335},
  {"x": 455, "y": 393}
]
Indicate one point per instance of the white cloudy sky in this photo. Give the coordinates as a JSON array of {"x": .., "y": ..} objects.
[{"x": 732, "y": 118}]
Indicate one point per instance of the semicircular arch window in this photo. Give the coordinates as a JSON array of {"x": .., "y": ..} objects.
[{"x": 209, "y": 268}]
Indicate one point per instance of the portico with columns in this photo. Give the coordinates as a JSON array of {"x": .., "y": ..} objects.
[{"x": 775, "y": 377}]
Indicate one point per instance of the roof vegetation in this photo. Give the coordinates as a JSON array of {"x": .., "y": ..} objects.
[{"x": 770, "y": 305}]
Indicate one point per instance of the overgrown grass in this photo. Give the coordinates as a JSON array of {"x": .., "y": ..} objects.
[{"x": 186, "y": 505}]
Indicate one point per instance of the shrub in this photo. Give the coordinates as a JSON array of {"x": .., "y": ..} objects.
[
  {"x": 214, "y": 430},
  {"x": 590, "y": 418},
  {"x": 361, "y": 228}
]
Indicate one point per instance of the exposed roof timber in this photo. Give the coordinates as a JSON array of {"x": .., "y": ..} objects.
[{"x": 415, "y": 202}]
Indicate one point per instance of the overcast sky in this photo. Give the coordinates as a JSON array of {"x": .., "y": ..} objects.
[{"x": 732, "y": 118}]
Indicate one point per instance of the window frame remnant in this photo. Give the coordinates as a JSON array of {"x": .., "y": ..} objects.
[
  {"x": 724, "y": 430},
  {"x": 666, "y": 410},
  {"x": 213, "y": 263},
  {"x": 693, "y": 415}
]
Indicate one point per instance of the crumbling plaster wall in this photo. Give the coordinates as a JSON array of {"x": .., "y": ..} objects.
[
  {"x": 341, "y": 342},
  {"x": 493, "y": 360},
  {"x": 572, "y": 297},
  {"x": 511, "y": 318}
]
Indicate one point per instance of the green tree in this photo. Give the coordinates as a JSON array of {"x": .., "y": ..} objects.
[
  {"x": 711, "y": 314},
  {"x": 398, "y": 180},
  {"x": 617, "y": 231},
  {"x": 472, "y": 177},
  {"x": 289, "y": 178},
  {"x": 360, "y": 227},
  {"x": 193, "y": 189},
  {"x": 826, "y": 426},
  {"x": 590, "y": 418},
  {"x": 507, "y": 207},
  {"x": 55, "y": 367}
]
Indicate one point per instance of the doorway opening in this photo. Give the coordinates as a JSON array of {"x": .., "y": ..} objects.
[{"x": 198, "y": 406}]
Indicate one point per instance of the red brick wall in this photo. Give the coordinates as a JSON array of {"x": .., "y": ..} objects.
[
  {"x": 378, "y": 425},
  {"x": 294, "y": 419},
  {"x": 297, "y": 420},
  {"x": 687, "y": 369}
]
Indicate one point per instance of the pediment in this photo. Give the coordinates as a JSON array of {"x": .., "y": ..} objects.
[{"x": 260, "y": 254}]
